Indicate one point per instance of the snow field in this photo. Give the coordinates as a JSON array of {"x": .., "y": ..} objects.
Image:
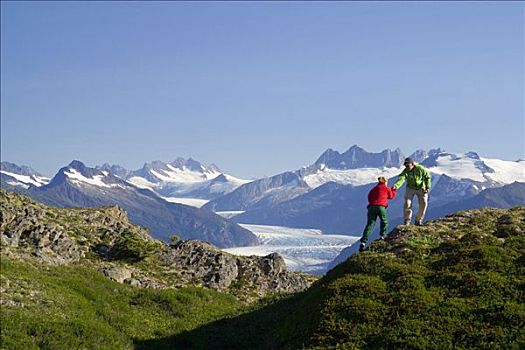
[{"x": 306, "y": 250}]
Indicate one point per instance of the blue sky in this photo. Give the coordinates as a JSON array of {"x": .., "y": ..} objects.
[{"x": 257, "y": 88}]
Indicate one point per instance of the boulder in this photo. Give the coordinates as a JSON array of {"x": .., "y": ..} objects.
[{"x": 116, "y": 273}]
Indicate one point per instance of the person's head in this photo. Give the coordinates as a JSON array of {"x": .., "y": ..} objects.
[
  {"x": 409, "y": 163},
  {"x": 382, "y": 180}
]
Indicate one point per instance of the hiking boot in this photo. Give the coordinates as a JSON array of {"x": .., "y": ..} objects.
[
  {"x": 362, "y": 246},
  {"x": 419, "y": 223},
  {"x": 406, "y": 222}
]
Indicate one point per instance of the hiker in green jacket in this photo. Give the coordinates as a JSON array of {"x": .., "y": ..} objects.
[{"x": 418, "y": 183}]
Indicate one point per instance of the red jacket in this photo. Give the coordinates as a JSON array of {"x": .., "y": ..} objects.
[{"x": 380, "y": 194}]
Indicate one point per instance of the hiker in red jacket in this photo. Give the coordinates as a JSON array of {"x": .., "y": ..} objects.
[{"x": 377, "y": 203}]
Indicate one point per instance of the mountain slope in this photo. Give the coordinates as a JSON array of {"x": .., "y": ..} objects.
[
  {"x": 79, "y": 186},
  {"x": 260, "y": 193},
  {"x": 500, "y": 197},
  {"x": 454, "y": 283},
  {"x": 332, "y": 208}
]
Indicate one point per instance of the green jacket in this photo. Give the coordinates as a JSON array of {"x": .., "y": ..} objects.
[{"x": 417, "y": 178}]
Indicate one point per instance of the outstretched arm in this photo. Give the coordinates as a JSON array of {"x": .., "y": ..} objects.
[{"x": 401, "y": 178}]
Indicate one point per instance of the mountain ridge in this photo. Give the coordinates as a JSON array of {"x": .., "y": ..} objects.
[{"x": 77, "y": 185}]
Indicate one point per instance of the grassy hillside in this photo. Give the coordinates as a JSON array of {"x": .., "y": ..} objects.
[
  {"x": 457, "y": 283},
  {"x": 75, "y": 307},
  {"x": 59, "y": 271}
]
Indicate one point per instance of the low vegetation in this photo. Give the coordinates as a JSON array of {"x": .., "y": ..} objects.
[{"x": 75, "y": 307}]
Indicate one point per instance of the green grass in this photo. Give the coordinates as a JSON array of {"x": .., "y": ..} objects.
[{"x": 77, "y": 307}]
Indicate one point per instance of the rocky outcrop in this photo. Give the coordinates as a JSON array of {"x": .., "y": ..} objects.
[
  {"x": 201, "y": 262},
  {"x": 105, "y": 239},
  {"x": 23, "y": 227},
  {"x": 60, "y": 236}
]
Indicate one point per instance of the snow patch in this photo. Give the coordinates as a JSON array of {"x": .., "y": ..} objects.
[
  {"x": 33, "y": 180},
  {"x": 183, "y": 175},
  {"x": 229, "y": 214},
  {"x": 354, "y": 177},
  {"x": 506, "y": 172},
  {"x": 193, "y": 202},
  {"x": 78, "y": 178},
  {"x": 19, "y": 184},
  {"x": 458, "y": 166},
  {"x": 141, "y": 182}
]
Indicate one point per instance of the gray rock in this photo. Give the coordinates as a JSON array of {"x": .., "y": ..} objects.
[
  {"x": 133, "y": 282},
  {"x": 202, "y": 263},
  {"x": 22, "y": 227},
  {"x": 119, "y": 274}
]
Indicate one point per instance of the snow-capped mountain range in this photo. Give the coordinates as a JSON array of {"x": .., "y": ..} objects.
[
  {"x": 189, "y": 181},
  {"x": 457, "y": 174},
  {"x": 329, "y": 195},
  {"x": 77, "y": 185},
  {"x": 460, "y": 166},
  {"x": 182, "y": 181}
]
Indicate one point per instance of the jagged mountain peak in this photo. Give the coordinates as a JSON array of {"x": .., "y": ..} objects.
[
  {"x": 179, "y": 164},
  {"x": 327, "y": 156},
  {"x": 419, "y": 155},
  {"x": 114, "y": 169},
  {"x": 355, "y": 147},
  {"x": 183, "y": 171},
  {"x": 77, "y": 173},
  {"x": 220, "y": 178},
  {"x": 357, "y": 157},
  {"x": 194, "y": 165},
  {"x": 155, "y": 165},
  {"x": 77, "y": 165},
  {"x": 83, "y": 169}
]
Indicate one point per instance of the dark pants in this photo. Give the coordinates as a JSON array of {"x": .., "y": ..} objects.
[{"x": 373, "y": 212}]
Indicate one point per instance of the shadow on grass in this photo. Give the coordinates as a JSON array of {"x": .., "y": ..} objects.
[
  {"x": 261, "y": 328},
  {"x": 284, "y": 323}
]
